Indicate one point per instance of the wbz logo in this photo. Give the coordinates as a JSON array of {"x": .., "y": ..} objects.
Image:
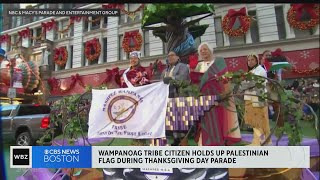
[{"x": 20, "y": 157}]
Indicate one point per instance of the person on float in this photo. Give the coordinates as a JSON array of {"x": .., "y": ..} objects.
[
  {"x": 266, "y": 56},
  {"x": 227, "y": 131},
  {"x": 256, "y": 112},
  {"x": 176, "y": 70},
  {"x": 135, "y": 75}
]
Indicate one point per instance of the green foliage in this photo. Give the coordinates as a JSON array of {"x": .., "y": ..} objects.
[
  {"x": 154, "y": 13},
  {"x": 290, "y": 107},
  {"x": 185, "y": 88},
  {"x": 64, "y": 116}
]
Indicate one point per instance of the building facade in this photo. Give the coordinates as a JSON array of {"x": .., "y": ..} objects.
[{"x": 269, "y": 30}]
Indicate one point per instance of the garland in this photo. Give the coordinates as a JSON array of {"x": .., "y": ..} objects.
[
  {"x": 306, "y": 72},
  {"x": 4, "y": 38},
  {"x": 49, "y": 25},
  {"x": 137, "y": 40},
  {"x": 60, "y": 56},
  {"x": 55, "y": 83},
  {"x": 231, "y": 17},
  {"x": 25, "y": 33},
  {"x": 92, "y": 49},
  {"x": 296, "y": 11}
]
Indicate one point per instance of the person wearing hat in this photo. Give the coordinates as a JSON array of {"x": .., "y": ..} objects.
[
  {"x": 2, "y": 54},
  {"x": 256, "y": 112},
  {"x": 135, "y": 75}
]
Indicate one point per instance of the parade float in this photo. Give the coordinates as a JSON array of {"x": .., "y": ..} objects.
[{"x": 71, "y": 114}]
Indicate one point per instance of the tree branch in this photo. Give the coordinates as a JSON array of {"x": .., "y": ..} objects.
[{"x": 192, "y": 22}]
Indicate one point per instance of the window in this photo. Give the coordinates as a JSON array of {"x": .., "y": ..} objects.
[
  {"x": 66, "y": 6},
  {"x": 71, "y": 31},
  {"x": 71, "y": 56},
  {"x": 146, "y": 45},
  {"x": 254, "y": 29},
  {"x": 131, "y": 8},
  {"x": 120, "y": 47},
  {"x": 105, "y": 50},
  {"x": 19, "y": 21},
  {"x": 237, "y": 40},
  {"x": 31, "y": 39},
  {"x": 105, "y": 22},
  {"x": 280, "y": 22},
  {"x": 16, "y": 38},
  {"x": 13, "y": 21},
  {"x": 218, "y": 32},
  {"x": 95, "y": 23},
  {"x": 85, "y": 25},
  {"x": 39, "y": 32},
  {"x": 31, "y": 110},
  {"x": 84, "y": 59},
  {"x": 42, "y": 6},
  {"x": 64, "y": 25},
  {"x": 122, "y": 18},
  {"x": 37, "y": 58},
  {"x": 6, "y": 110}
]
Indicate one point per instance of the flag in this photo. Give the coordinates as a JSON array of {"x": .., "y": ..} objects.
[
  {"x": 136, "y": 113},
  {"x": 279, "y": 65}
]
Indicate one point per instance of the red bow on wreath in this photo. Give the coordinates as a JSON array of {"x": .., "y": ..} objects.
[
  {"x": 92, "y": 42},
  {"x": 233, "y": 15},
  {"x": 277, "y": 53},
  {"x": 24, "y": 33},
  {"x": 308, "y": 7},
  {"x": 75, "y": 18},
  {"x": 4, "y": 38},
  {"x": 49, "y": 25}
]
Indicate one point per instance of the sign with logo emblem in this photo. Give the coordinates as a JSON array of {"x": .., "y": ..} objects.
[{"x": 137, "y": 113}]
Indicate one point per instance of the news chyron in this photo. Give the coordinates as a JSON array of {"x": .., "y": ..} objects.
[{"x": 20, "y": 157}]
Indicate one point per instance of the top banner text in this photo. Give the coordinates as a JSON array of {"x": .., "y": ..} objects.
[{"x": 57, "y": 12}]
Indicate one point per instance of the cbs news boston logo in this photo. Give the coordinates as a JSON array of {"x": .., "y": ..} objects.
[{"x": 20, "y": 157}]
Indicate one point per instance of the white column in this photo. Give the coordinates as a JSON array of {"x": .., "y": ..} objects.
[
  {"x": 155, "y": 45},
  {"x": 267, "y": 22},
  {"x": 289, "y": 29},
  {"x": 77, "y": 44},
  {"x": 26, "y": 42},
  {"x": 68, "y": 65},
  {"x": 50, "y": 35},
  {"x": 225, "y": 36},
  {"x": 209, "y": 36},
  {"x": 112, "y": 36},
  {"x": 89, "y": 23},
  {"x": 100, "y": 61},
  {"x": 248, "y": 34},
  {"x": 34, "y": 34},
  {"x": 60, "y": 28},
  {"x": 101, "y": 22}
]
